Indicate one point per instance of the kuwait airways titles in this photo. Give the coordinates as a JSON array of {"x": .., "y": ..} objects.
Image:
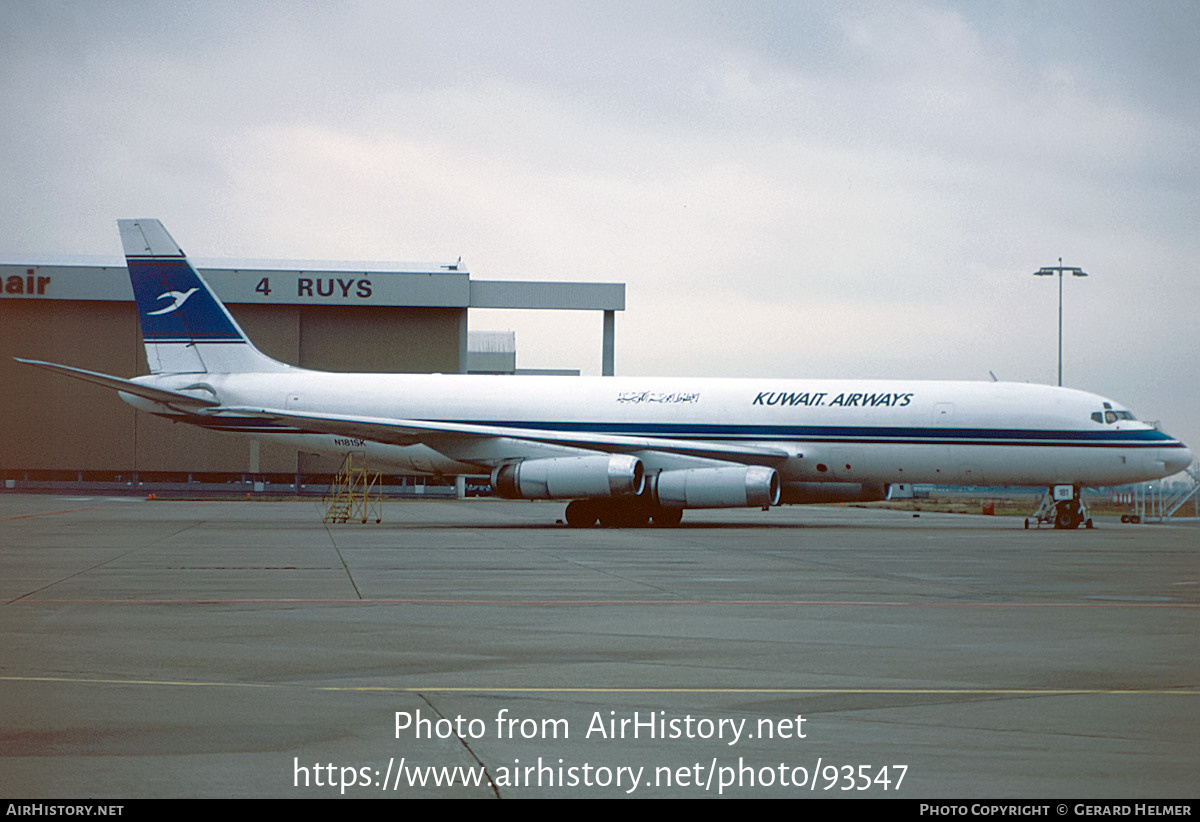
[{"x": 845, "y": 399}]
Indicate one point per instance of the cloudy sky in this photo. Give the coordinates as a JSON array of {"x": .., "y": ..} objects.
[{"x": 787, "y": 188}]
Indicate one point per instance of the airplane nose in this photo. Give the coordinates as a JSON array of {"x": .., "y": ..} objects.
[{"x": 1175, "y": 459}]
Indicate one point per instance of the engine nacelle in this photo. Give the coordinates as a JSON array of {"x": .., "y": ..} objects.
[
  {"x": 803, "y": 493},
  {"x": 570, "y": 478},
  {"x": 735, "y": 487}
]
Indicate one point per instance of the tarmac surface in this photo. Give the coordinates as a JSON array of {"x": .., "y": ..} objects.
[{"x": 244, "y": 649}]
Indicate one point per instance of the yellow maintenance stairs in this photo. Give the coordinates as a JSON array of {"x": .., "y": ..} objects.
[{"x": 356, "y": 494}]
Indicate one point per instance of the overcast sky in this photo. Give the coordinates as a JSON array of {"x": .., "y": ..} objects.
[{"x": 788, "y": 189}]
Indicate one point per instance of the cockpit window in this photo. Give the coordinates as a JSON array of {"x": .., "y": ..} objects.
[{"x": 1109, "y": 416}]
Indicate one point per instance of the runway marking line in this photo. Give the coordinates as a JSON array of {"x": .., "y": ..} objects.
[
  {"x": 631, "y": 690},
  {"x": 51, "y": 513},
  {"x": 75, "y": 510},
  {"x": 578, "y": 602}
]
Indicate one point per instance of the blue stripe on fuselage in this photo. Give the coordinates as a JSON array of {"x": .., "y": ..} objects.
[{"x": 857, "y": 434}]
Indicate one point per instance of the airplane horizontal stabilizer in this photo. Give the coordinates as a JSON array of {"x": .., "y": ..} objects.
[{"x": 137, "y": 389}]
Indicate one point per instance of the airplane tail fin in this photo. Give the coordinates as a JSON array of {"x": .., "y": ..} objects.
[{"x": 185, "y": 327}]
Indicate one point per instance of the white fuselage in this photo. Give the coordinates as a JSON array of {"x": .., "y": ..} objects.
[{"x": 879, "y": 431}]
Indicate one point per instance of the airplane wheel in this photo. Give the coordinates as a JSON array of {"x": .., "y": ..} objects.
[
  {"x": 1124, "y": 517},
  {"x": 1026, "y": 523},
  {"x": 1088, "y": 524},
  {"x": 581, "y": 513},
  {"x": 668, "y": 517},
  {"x": 625, "y": 516},
  {"x": 634, "y": 519}
]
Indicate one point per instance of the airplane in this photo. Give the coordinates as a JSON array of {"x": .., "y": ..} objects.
[{"x": 628, "y": 451}]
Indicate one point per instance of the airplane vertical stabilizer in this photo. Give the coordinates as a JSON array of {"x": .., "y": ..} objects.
[{"x": 185, "y": 328}]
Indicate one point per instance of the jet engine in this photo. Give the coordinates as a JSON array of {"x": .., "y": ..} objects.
[
  {"x": 735, "y": 487},
  {"x": 614, "y": 475}
]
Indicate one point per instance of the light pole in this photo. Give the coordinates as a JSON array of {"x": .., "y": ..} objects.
[{"x": 1046, "y": 272}]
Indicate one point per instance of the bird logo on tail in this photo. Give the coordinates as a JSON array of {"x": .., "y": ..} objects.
[{"x": 179, "y": 296}]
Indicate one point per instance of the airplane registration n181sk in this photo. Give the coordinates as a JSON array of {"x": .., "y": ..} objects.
[{"x": 632, "y": 450}]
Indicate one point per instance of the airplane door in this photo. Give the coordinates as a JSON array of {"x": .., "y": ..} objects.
[
  {"x": 941, "y": 460},
  {"x": 957, "y": 464}
]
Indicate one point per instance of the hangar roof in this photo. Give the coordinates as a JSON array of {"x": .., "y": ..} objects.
[{"x": 305, "y": 282}]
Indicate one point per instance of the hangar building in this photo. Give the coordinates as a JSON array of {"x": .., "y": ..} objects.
[{"x": 366, "y": 317}]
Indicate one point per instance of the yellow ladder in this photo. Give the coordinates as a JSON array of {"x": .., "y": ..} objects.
[{"x": 355, "y": 493}]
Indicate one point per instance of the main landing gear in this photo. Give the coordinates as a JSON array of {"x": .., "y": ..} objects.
[
  {"x": 1063, "y": 506},
  {"x": 621, "y": 513}
]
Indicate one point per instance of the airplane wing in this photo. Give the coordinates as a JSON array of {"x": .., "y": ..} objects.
[
  {"x": 409, "y": 432},
  {"x": 163, "y": 395},
  {"x": 429, "y": 432}
]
